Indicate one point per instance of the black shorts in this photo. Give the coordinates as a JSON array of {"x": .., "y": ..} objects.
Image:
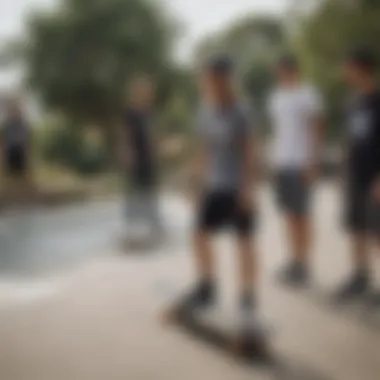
[
  {"x": 220, "y": 210},
  {"x": 362, "y": 212},
  {"x": 15, "y": 161},
  {"x": 292, "y": 191}
]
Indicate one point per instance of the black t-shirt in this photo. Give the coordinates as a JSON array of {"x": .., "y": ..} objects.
[
  {"x": 364, "y": 138},
  {"x": 15, "y": 133},
  {"x": 138, "y": 124}
]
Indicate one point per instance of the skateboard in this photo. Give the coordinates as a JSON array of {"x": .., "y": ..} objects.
[{"x": 249, "y": 347}]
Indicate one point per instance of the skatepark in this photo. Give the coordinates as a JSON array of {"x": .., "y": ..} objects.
[{"x": 74, "y": 305}]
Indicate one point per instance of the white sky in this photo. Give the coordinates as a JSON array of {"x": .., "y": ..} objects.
[
  {"x": 204, "y": 16},
  {"x": 199, "y": 16}
]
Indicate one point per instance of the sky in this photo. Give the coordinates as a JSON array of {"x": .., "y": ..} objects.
[
  {"x": 204, "y": 16},
  {"x": 199, "y": 17}
]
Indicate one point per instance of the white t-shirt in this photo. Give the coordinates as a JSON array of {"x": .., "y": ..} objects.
[{"x": 291, "y": 112}]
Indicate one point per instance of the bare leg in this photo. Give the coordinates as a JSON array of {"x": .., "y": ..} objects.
[
  {"x": 299, "y": 232},
  {"x": 375, "y": 299},
  {"x": 204, "y": 292},
  {"x": 247, "y": 261},
  {"x": 358, "y": 283},
  {"x": 203, "y": 255},
  {"x": 359, "y": 251}
]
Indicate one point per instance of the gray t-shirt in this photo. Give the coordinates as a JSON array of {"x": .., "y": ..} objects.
[{"x": 224, "y": 132}]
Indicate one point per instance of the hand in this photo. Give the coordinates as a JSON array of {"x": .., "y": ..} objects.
[
  {"x": 312, "y": 174},
  {"x": 376, "y": 191}
]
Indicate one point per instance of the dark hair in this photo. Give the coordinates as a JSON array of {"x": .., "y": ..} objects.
[
  {"x": 363, "y": 57},
  {"x": 221, "y": 65},
  {"x": 289, "y": 62}
]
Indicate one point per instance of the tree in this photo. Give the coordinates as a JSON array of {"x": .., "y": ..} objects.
[{"x": 81, "y": 55}]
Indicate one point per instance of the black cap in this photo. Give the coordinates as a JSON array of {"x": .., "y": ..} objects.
[
  {"x": 288, "y": 61},
  {"x": 221, "y": 65},
  {"x": 363, "y": 57}
]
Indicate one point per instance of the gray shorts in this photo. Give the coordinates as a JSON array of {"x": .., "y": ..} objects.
[
  {"x": 292, "y": 191},
  {"x": 143, "y": 207},
  {"x": 362, "y": 212}
]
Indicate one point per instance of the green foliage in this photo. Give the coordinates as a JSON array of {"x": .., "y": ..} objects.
[
  {"x": 176, "y": 117},
  {"x": 81, "y": 56},
  {"x": 65, "y": 145}
]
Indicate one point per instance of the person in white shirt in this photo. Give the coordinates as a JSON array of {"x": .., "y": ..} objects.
[{"x": 295, "y": 110}]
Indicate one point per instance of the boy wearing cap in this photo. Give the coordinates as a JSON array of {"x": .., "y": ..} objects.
[
  {"x": 363, "y": 169},
  {"x": 224, "y": 171}
]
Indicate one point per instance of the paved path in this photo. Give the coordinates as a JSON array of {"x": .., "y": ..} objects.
[{"x": 89, "y": 312}]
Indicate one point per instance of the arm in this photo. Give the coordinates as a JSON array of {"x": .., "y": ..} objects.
[
  {"x": 249, "y": 172},
  {"x": 250, "y": 162},
  {"x": 122, "y": 146},
  {"x": 317, "y": 135},
  {"x": 317, "y": 130},
  {"x": 376, "y": 157},
  {"x": 196, "y": 172},
  {"x": 198, "y": 159}
]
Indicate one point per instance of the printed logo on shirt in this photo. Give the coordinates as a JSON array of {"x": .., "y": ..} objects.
[{"x": 360, "y": 125}]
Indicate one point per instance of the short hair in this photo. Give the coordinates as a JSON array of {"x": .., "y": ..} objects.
[
  {"x": 141, "y": 78},
  {"x": 220, "y": 65},
  {"x": 289, "y": 62},
  {"x": 363, "y": 57}
]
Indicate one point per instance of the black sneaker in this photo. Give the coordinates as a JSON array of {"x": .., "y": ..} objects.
[
  {"x": 253, "y": 336},
  {"x": 295, "y": 274},
  {"x": 374, "y": 301},
  {"x": 356, "y": 287},
  {"x": 201, "y": 297}
]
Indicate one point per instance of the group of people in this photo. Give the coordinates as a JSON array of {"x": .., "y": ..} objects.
[{"x": 225, "y": 168}]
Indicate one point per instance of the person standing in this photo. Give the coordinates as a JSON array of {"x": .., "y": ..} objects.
[
  {"x": 15, "y": 140},
  {"x": 295, "y": 110},
  {"x": 138, "y": 153},
  {"x": 223, "y": 170},
  {"x": 362, "y": 170}
]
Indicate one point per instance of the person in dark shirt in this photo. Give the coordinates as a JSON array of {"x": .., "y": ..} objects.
[
  {"x": 363, "y": 169},
  {"x": 138, "y": 155},
  {"x": 15, "y": 139}
]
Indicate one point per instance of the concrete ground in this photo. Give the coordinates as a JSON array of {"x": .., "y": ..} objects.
[{"x": 74, "y": 307}]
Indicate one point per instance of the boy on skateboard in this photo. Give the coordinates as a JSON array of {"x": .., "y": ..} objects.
[{"x": 224, "y": 172}]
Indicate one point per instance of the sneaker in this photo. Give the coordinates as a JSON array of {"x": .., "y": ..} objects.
[
  {"x": 374, "y": 301},
  {"x": 253, "y": 336},
  {"x": 294, "y": 274},
  {"x": 357, "y": 286},
  {"x": 201, "y": 297},
  {"x": 252, "y": 325}
]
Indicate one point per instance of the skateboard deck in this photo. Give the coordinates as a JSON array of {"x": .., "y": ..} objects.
[
  {"x": 217, "y": 329},
  {"x": 220, "y": 331}
]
